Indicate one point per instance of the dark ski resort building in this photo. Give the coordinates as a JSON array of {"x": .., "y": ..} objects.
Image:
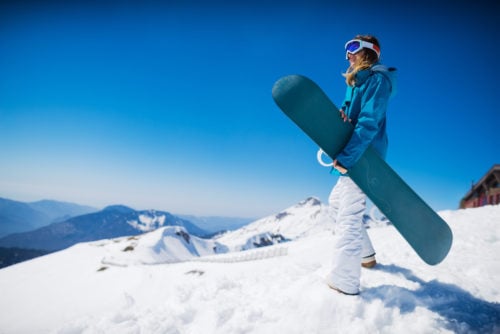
[{"x": 484, "y": 192}]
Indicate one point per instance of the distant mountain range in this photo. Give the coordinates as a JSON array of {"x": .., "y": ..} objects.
[
  {"x": 118, "y": 221},
  {"x": 169, "y": 238},
  {"x": 18, "y": 216},
  {"x": 113, "y": 221}
]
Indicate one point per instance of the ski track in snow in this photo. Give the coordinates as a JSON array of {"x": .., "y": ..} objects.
[{"x": 281, "y": 293}]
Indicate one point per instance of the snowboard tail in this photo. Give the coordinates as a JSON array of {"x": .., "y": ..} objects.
[{"x": 309, "y": 107}]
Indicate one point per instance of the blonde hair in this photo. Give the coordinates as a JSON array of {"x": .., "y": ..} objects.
[{"x": 367, "y": 59}]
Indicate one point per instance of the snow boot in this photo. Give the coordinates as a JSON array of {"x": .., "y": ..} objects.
[{"x": 368, "y": 261}]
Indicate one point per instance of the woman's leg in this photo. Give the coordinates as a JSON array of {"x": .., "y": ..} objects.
[{"x": 346, "y": 269}]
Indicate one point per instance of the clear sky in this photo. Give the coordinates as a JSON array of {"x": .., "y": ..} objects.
[{"x": 168, "y": 106}]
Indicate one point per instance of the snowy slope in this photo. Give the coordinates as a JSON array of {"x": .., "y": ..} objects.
[{"x": 68, "y": 292}]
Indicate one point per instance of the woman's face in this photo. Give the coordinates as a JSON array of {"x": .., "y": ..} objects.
[{"x": 355, "y": 57}]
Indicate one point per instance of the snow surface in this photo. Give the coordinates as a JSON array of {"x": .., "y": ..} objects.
[{"x": 100, "y": 287}]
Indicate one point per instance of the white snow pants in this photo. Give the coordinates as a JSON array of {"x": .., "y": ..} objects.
[{"x": 347, "y": 207}]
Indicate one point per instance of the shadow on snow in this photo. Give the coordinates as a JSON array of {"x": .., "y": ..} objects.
[{"x": 463, "y": 312}]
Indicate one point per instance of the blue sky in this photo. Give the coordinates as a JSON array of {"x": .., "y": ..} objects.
[{"x": 168, "y": 106}]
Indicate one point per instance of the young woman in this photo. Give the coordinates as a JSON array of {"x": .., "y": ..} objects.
[{"x": 369, "y": 87}]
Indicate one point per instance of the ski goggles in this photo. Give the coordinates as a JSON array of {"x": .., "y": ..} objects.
[{"x": 356, "y": 45}]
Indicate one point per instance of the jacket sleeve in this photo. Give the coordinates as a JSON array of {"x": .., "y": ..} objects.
[{"x": 373, "y": 109}]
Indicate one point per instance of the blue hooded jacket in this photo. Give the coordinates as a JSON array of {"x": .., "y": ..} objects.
[{"x": 366, "y": 105}]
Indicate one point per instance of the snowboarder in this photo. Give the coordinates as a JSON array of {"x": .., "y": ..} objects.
[{"x": 369, "y": 87}]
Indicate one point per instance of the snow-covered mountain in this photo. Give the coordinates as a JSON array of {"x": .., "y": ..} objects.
[
  {"x": 304, "y": 218},
  {"x": 113, "y": 221},
  {"x": 175, "y": 244},
  {"x": 170, "y": 244},
  {"x": 161, "y": 282}
]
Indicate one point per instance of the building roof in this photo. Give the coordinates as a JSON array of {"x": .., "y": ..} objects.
[{"x": 474, "y": 188}]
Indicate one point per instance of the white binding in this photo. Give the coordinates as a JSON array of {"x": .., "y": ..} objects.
[{"x": 319, "y": 156}]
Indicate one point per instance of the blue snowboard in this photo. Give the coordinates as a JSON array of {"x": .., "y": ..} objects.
[{"x": 308, "y": 106}]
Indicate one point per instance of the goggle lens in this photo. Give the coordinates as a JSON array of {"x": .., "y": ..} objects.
[{"x": 353, "y": 46}]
